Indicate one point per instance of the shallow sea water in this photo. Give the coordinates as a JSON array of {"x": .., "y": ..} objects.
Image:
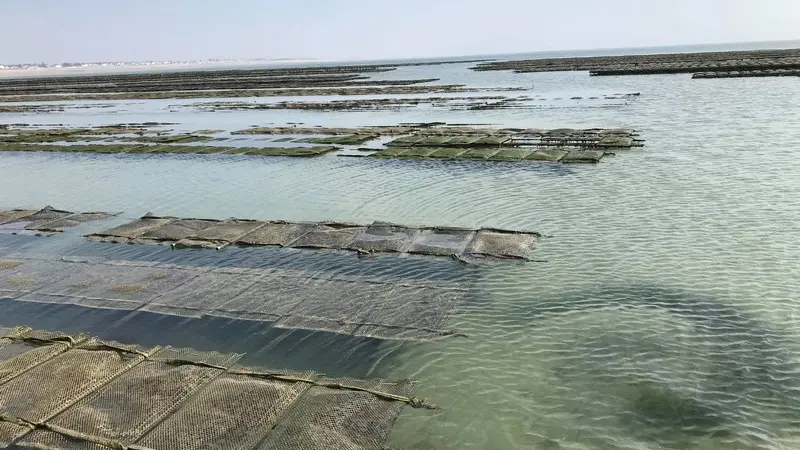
[{"x": 661, "y": 313}]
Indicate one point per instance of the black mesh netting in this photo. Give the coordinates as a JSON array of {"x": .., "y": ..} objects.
[
  {"x": 23, "y": 276},
  {"x": 202, "y": 294},
  {"x": 21, "y": 349},
  {"x": 549, "y": 155},
  {"x": 386, "y": 309},
  {"x": 70, "y": 221},
  {"x": 100, "y": 395},
  {"x": 383, "y": 237},
  {"x": 502, "y": 244},
  {"x": 377, "y": 237},
  {"x": 583, "y": 156},
  {"x": 440, "y": 242},
  {"x": 338, "y": 419},
  {"x": 335, "y": 236},
  {"x": 511, "y": 154},
  {"x": 278, "y": 233},
  {"x": 228, "y": 231},
  {"x": 133, "y": 229},
  {"x": 14, "y": 215},
  {"x": 107, "y": 285},
  {"x": 177, "y": 230},
  {"x": 50, "y": 387},
  {"x": 46, "y": 219},
  {"x": 234, "y": 411}
]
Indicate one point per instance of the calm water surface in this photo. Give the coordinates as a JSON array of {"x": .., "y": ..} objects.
[{"x": 663, "y": 311}]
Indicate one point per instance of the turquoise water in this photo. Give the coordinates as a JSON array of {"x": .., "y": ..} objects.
[{"x": 663, "y": 310}]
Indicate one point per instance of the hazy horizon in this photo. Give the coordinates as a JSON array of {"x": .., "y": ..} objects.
[
  {"x": 793, "y": 42},
  {"x": 86, "y": 31}
]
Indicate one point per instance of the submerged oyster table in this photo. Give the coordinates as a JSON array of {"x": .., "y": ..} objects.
[
  {"x": 46, "y": 220},
  {"x": 290, "y": 299},
  {"x": 213, "y": 82},
  {"x": 67, "y": 391},
  {"x": 411, "y": 141},
  {"x": 171, "y": 149},
  {"x": 360, "y": 306},
  {"x": 747, "y": 60},
  {"x": 749, "y": 73},
  {"x": 362, "y": 238},
  {"x": 512, "y": 145}
]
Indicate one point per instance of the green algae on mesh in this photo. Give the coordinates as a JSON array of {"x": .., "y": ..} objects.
[
  {"x": 33, "y": 138},
  {"x": 441, "y": 135},
  {"x": 479, "y": 153},
  {"x": 655, "y": 63},
  {"x": 167, "y": 148},
  {"x": 9, "y": 264},
  {"x": 108, "y": 148},
  {"x": 186, "y": 149},
  {"x": 36, "y": 135},
  {"x": 209, "y": 131},
  {"x": 583, "y": 156},
  {"x": 354, "y": 139},
  {"x": 418, "y": 153},
  {"x": 178, "y": 138},
  {"x": 20, "y": 281},
  {"x": 393, "y": 152},
  {"x": 551, "y": 155},
  {"x": 511, "y": 154},
  {"x": 207, "y": 149},
  {"x": 321, "y": 140},
  {"x": 141, "y": 149},
  {"x": 434, "y": 141},
  {"x": 161, "y": 148},
  {"x": 492, "y": 140},
  {"x": 405, "y": 141},
  {"x": 266, "y": 151},
  {"x": 615, "y": 141},
  {"x": 448, "y": 153},
  {"x": 240, "y": 93},
  {"x": 461, "y": 141},
  {"x": 110, "y": 130},
  {"x": 6, "y": 147}
]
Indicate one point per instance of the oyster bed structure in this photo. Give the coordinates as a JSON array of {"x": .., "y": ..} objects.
[
  {"x": 192, "y": 80},
  {"x": 763, "y": 62},
  {"x": 377, "y": 237},
  {"x": 435, "y": 140},
  {"x": 300, "y": 81},
  {"x": 47, "y": 220},
  {"x": 70, "y": 390},
  {"x": 386, "y": 308}
]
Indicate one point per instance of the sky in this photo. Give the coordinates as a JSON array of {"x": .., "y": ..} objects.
[{"x": 54, "y": 31}]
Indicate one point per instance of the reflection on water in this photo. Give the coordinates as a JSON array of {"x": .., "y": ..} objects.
[{"x": 663, "y": 317}]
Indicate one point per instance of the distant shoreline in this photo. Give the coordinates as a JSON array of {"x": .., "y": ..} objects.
[{"x": 122, "y": 68}]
